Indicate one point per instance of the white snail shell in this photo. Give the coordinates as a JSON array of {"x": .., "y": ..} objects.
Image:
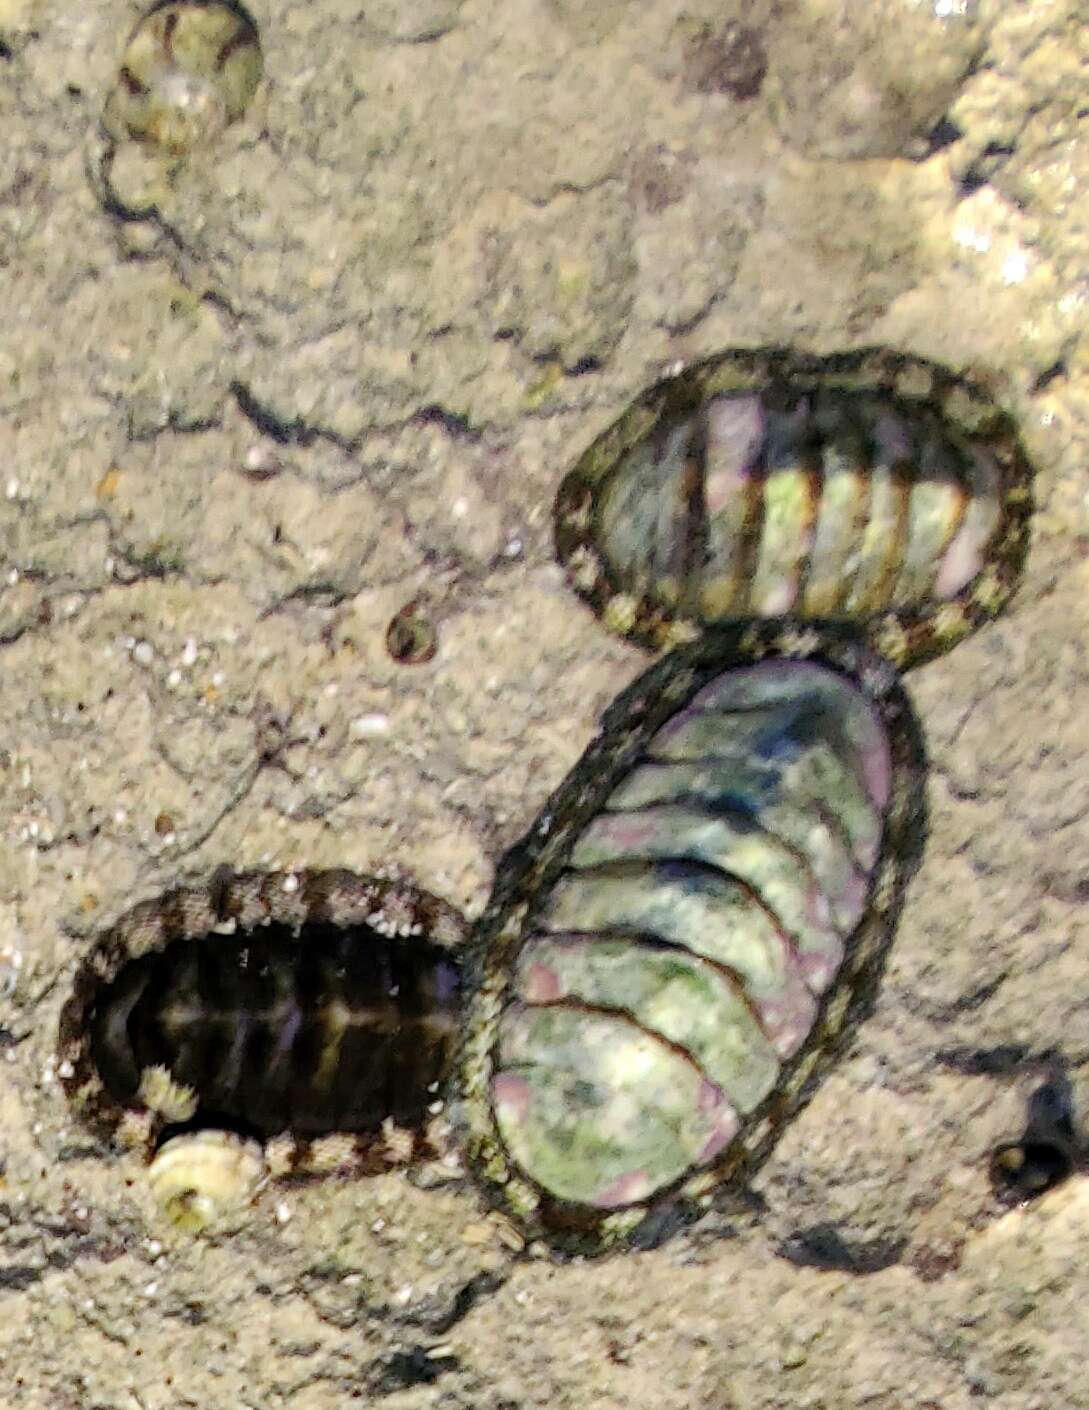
[{"x": 204, "y": 1179}]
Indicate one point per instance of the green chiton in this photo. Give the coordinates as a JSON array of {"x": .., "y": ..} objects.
[
  {"x": 869, "y": 487},
  {"x": 697, "y": 919}
]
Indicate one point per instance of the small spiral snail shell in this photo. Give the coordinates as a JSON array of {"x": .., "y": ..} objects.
[
  {"x": 205, "y": 1179},
  {"x": 190, "y": 69},
  {"x": 412, "y": 636}
]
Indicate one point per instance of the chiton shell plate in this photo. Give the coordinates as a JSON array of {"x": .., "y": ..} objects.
[
  {"x": 308, "y": 1007},
  {"x": 699, "y": 916},
  {"x": 869, "y": 486}
]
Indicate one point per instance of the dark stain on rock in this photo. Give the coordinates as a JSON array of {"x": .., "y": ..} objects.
[
  {"x": 731, "y": 60},
  {"x": 932, "y": 1263},
  {"x": 822, "y": 1247},
  {"x": 657, "y": 179}
]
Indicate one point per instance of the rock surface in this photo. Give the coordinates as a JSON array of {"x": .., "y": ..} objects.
[{"x": 252, "y": 405}]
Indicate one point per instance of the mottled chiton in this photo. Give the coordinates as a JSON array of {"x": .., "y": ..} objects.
[
  {"x": 869, "y": 487},
  {"x": 317, "y": 1010},
  {"x": 189, "y": 69},
  {"x": 700, "y": 914}
]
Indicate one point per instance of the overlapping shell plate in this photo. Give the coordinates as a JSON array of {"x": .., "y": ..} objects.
[
  {"x": 315, "y": 1011},
  {"x": 870, "y": 487},
  {"x": 189, "y": 69},
  {"x": 695, "y": 921}
]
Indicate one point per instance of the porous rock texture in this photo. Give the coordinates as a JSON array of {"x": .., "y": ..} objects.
[{"x": 253, "y": 404}]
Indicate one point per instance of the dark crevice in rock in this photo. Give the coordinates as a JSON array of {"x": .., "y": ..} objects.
[
  {"x": 284, "y": 432},
  {"x": 82, "y": 1150},
  {"x": 324, "y": 595},
  {"x": 943, "y": 134},
  {"x": 987, "y": 1062},
  {"x": 430, "y": 36},
  {"x": 411, "y": 1366},
  {"x": 438, "y": 1320},
  {"x": 143, "y": 567},
  {"x": 1049, "y": 1148},
  {"x": 456, "y": 425},
  {"x": 192, "y": 1313},
  {"x": 294, "y": 431},
  {"x": 20, "y": 1276},
  {"x": 570, "y": 188},
  {"x": 985, "y": 167},
  {"x": 98, "y": 177},
  {"x": 821, "y": 1246},
  {"x": 1050, "y": 374},
  {"x": 551, "y": 358},
  {"x": 678, "y": 328},
  {"x": 662, "y": 1225},
  {"x": 214, "y": 298},
  {"x": 976, "y": 998},
  {"x": 176, "y": 422}
]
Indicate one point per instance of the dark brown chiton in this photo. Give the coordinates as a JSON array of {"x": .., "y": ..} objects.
[
  {"x": 700, "y": 915},
  {"x": 315, "y": 1011},
  {"x": 869, "y": 487}
]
